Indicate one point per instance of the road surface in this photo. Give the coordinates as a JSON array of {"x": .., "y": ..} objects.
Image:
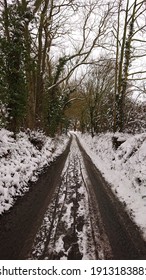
[{"x": 70, "y": 213}]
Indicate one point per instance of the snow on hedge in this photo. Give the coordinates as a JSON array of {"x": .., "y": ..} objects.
[
  {"x": 123, "y": 168},
  {"x": 21, "y": 160}
]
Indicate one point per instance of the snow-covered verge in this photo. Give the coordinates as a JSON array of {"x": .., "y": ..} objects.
[
  {"x": 22, "y": 158},
  {"x": 123, "y": 168}
]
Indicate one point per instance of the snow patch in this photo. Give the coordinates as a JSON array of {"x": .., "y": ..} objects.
[{"x": 22, "y": 158}]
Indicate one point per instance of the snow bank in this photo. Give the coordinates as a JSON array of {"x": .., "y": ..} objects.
[
  {"x": 22, "y": 159},
  {"x": 124, "y": 169}
]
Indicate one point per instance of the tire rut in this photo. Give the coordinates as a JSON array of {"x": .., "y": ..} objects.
[
  {"x": 19, "y": 225},
  {"x": 123, "y": 235}
]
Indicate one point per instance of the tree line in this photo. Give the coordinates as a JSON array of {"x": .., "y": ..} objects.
[{"x": 57, "y": 54}]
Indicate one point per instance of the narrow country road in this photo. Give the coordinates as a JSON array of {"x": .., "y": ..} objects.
[{"x": 70, "y": 213}]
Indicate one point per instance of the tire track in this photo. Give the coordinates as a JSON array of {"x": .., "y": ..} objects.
[
  {"x": 123, "y": 235},
  {"x": 19, "y": 225},
  {"x": 68, "y": 233}
]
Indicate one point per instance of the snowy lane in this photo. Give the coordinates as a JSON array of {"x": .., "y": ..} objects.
[
  {"x": 70, "y": 213},
  {"x": 84, "y": 219},
  {"x": 67, "y": 231}
]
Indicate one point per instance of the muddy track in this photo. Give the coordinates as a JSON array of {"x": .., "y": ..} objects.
[
  {"x": 70, "y": 213},
  {"x": 84, "y": 203},
  {"x": 19, "y": 225},
  {"x": 60, "y": 233}
]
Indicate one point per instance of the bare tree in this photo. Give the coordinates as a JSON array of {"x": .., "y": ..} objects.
[
  {"x": 98, "y": 96},
  {"x": 124, "y": 54}
]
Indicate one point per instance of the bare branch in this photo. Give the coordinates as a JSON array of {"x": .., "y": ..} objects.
[{"x": 135, "y": 73}]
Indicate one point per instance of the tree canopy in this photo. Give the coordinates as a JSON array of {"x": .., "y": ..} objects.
[{"x": 72, "y": 63}]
